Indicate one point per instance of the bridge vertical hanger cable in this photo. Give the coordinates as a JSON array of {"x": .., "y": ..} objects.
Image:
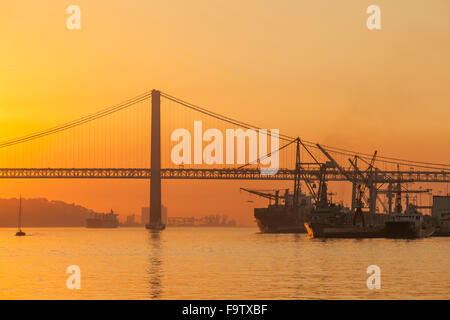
[
  {"x": 334, "y": 150},
  {"x": 77, "y": 122},
  {"x": 58, "y": 150}
]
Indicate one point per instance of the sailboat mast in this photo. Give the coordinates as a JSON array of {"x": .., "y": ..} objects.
[{"x": 20, "y": 212}]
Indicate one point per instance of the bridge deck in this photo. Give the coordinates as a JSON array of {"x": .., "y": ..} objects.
[{"x": 212, "y": 174}]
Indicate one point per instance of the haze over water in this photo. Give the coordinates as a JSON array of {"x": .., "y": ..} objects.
[{"x": 216, "y": 263}]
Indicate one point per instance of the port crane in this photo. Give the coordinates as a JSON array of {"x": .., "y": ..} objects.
[
  {"x": 297, "y": 183},
  {"x": 363, "y": 180},
  {"x": 394, "y": 188},
  {"x": 357, "y": 204},
  {"x": 360, "y": 180},
  {"x": 398, "y": 191},
  {"x": 320, "y": 198}
]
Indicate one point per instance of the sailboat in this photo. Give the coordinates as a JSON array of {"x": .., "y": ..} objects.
[{"x": 20, "y": 233}]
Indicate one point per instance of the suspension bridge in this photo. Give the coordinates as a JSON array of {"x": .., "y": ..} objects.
[{"x": 130, "y": 140}]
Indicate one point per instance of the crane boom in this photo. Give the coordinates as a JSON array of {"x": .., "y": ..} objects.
[
  {"x": 261, "y": 194},
  {"x": 341, "y": 170}
]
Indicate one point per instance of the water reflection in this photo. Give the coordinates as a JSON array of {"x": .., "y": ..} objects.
[
  {"x": 218, "y": 263},
  {"x": 154, "y": 270}
]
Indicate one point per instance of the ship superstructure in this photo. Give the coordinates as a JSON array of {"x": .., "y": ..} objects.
[{"x": 408, "y": 224}]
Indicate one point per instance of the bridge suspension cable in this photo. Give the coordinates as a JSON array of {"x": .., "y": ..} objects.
[
  {"x": 335, "y": 150},
  {"x": 102, "y": 113},
  {"x": 385, "y": 159},
  {"x": 147, "y": 95},
  {"x": 223, "y": 118}
]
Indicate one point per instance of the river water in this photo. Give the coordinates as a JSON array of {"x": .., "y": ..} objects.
[{"x": 217, "y": 263}]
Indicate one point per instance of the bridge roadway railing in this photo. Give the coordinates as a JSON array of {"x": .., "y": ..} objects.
[{"x": 212, "y": 174}]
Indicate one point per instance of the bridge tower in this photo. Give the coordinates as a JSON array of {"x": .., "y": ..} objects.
[{"x": 155, "y": 180}]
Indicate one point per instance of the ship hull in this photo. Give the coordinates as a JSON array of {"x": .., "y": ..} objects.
[
  {"x": 407, "y": 230},
  {"x": 265, "y": 227},
  {"x": 322, "y": 230},
  {"x": 281, "y": 220},
  {"x": 441, "y": 232}
]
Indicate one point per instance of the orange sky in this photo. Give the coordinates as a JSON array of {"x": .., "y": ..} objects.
[{"x": 310, "y": 68}]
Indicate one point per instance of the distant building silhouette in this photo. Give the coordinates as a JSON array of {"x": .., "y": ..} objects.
[{"x": 131, "y": 219}]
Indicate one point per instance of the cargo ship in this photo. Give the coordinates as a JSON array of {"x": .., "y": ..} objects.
[
  {"x": 326, "y": 214},
  {"x": 408, "y": 225},
  {"x": 327, "y": 228},
  {"x": 103, "y": 220},
  {"x": 330, "y": 220},
  {"x": 327, "y": 223},
  {"x": 292, "y": 212},
  {"x": 335, "y": 221},
  {"x": 285, "y": 215}
]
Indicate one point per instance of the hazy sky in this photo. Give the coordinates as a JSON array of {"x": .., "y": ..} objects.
[{"x": 310, "y": 68}]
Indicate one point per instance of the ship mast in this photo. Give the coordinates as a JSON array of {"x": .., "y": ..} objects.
[
  {"x": 20, "y": 214},
  {"x": 297, "y": 185},
  {"x": 19, "y": 225}
]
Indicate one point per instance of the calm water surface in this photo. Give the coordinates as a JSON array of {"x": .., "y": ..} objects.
[{"x": 217, "y": 263}]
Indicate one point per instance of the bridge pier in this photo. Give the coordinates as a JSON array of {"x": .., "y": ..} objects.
[{"x": 155, "y": 180}]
